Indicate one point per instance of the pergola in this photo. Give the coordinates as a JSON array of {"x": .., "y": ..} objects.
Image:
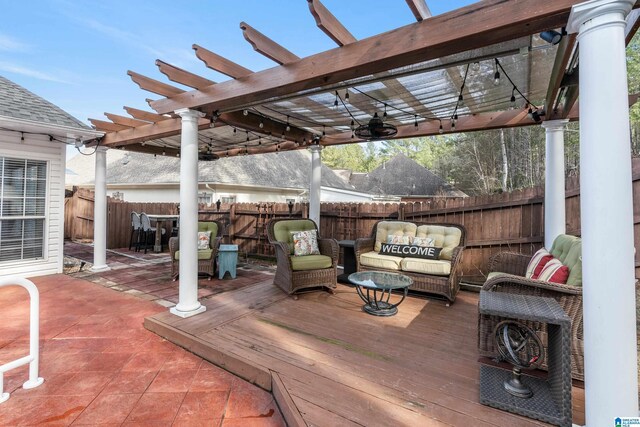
[{"x": 480, "y": 67}]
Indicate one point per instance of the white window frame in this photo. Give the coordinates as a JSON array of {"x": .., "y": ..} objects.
[
  {"x": 228, "y": 198},
  {"x": 44, "y": 217}
]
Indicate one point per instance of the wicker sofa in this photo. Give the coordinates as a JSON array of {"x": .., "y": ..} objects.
[
  {"x": 508, "y": 275},
  {"x": 441, "y": 276},
  {"x": 206, "y": 257},
  {"x": 294, "y": 273}
]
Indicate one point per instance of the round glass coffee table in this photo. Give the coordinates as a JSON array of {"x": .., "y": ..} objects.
[{"x": 374, "y": 288}]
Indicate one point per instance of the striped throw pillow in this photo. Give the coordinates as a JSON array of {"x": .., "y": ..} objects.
[
  {"x": 555, "y": 272},
  {"x": 537, "y": 263}
]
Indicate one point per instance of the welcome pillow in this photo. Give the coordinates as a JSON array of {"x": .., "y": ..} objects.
[
  {"x": 410, "y": 251},
  {"x": 537, "y": 263}
]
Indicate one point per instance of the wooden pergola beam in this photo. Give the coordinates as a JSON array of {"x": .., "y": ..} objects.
[
  {"x": 152, "y": 149},
  {"x": 475, "y": 26},
  {"x": 181, "y": 76},
  {"x": 125, "y": 121},
  {"x": 151, "y": 131},
  {"x": 107, "y": 126},
  {"x": 329, "y": 24},
  {"x": 152, "y": 85},
  {"x": 267, "y": 47},
  {"x": 563, "y": 56},
  {"x": 252, "y": 122},
  {"x": 221, "y": 64},
  {"x": 475, "y": 122},
  {"x": 145, "y": 115},
  {"x": 419, "y": 9}
]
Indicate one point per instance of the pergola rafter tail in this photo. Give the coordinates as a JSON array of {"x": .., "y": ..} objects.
[
  {"x": 181, "y": 76},
  {"x": 154, "y": 86},
  {"x": 220, "y": 64},
  {"x": 267, "y": 47},
  {"x": 145, "y": 115},
  {"x": 475, "y": 26},
  {"x": 329, "y": 24}
]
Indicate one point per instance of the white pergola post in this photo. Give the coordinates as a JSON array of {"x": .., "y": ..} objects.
[
  {"x": 188, "y": 304},
  {"x": 100, "y": 212},
  {"x": 554, "y": 200},
  {"x": 314, "y": 185},
  {"x": 606, "y": 203}
]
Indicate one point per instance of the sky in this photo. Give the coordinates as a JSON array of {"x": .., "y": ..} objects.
[{"x": 76, "y": 53}]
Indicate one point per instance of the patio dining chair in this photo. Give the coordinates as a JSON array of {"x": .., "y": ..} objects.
[
  {"x": 136, "y": 228},
  {"x": 149, "y": 232}
]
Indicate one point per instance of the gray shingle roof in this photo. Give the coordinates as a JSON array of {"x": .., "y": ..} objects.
[
  {"x": 402, "y": 176},
  {"x": 289, "y": 169},
  {"x": 18, "y": 103}
]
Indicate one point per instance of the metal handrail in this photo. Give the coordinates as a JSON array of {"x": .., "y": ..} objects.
[{"x": 34, "y": 331}]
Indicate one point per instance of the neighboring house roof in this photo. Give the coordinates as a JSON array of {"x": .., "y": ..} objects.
[
  {"x": 18, "y": 103},
  {"x": 402, "y": 176},
  {"x": 289, "y": 169}
]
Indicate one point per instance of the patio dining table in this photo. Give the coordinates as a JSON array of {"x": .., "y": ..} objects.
[{"x": 160, "y": 220}]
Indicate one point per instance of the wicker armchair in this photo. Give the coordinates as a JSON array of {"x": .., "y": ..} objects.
[
  {"x": 512, "y": 268},
  {"x": 206, "y": 260},
  {"x": 291, "y": 274}
]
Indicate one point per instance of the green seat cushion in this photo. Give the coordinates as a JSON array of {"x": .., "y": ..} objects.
[
  {"x": 310, "y": 262},
  {"x": 202, "y": 254},
  {"x": 282, "y": 230},
  {"x": 568, "y": 249},
  {"x": 209, "y": 226}
]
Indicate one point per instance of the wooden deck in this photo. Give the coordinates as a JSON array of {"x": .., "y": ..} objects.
[{"x": 329, "y": 364}]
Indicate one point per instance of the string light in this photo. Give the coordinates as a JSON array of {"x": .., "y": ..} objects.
[
  {"x": 453, "y": 125},
  {"x": 247, "y": 136},
  {"x": 259, "y": 140},
  {"x": 163, "y": 152},
  {"x": 245, "y": 112},
  {"x": 346, "y": 95},
  {"x": 335, "y": 103},
  {"x": 234, "y": 130},
  {"x": 460, "y": 100},
  {"x": 496, "y": 76},
  {"x": 440, "y": 129},
  {"x": 261, "y": 125},
  {"x": 513, "y": 97},
  {"x": 288, "y": 128},
  {"x": 415, "y": 121},
  {"x": 323, "y": 131},
  {"x": 384, "y": 116}
]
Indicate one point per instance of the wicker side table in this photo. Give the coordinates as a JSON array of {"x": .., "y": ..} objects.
[{"x": 551, "y": 400}]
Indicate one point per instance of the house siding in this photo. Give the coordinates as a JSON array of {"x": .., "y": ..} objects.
[{"x": 38, "y": 147}]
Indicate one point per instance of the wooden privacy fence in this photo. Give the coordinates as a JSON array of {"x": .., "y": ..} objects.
[{"x": 508, "y": 221}]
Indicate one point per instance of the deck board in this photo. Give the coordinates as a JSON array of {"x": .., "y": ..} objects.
[{"x": 335, "y": 365}]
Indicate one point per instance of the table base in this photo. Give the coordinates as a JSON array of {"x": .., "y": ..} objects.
[
  {"x": 382, "y": 309},
  {"x": 377, "y": 300}
]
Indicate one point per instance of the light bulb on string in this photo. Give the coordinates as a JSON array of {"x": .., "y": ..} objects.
[
  {"x": 384, "y": 116},
  {"x": 460, "y": 100},
  {"x": 415, "y": 121},
  {"x": 346, "y": 95},
  {"x": 513, "y": 97},
  {"x": 440, "y": 130},
  {"x": 261, "y": 125},
  {"x": 245, "y": 112},
  {"x": 324, "y": 133},
  {"x": 496, "y": 76},
  {"x": 288, "y": 128},
  {"x": 335, "y": 103}
]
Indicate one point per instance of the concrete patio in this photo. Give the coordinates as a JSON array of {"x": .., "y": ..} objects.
[{"x": 102, "y": 367}]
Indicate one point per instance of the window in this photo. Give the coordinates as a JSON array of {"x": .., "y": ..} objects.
[
  {"x": 204, "y": 197},
  {"x": 23, "y": 191},
  {"x": 228, "y": 199}
]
